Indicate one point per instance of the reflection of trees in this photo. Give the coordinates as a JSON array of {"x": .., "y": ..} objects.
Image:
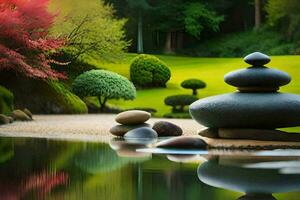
[
  {"x": 98, "y": 159},
  {"x": 6, "y": 149}
]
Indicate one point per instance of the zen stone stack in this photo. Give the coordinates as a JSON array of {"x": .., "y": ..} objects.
[{"x": 256, "y": 105}]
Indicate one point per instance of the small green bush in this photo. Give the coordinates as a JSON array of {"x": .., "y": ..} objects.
[
  {"x": 178, "y": 102},
  {"x": 149, "y": 71},
  {"x": 104, "y": 85},
  {"x": 193, "y": 84},
  {"x": 6, "y": 101}
]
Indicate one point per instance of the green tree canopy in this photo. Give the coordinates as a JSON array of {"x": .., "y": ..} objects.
[
  {"x": 178, "y": 102},
  {"x": 90, "y": 28},
  {"x": 104, "y": 85},
  {"x": 193, "y": 84},
  {"x": 285, "y": 15}
]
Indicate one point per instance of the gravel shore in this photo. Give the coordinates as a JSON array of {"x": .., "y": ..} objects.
[{"x": 79, "y": 127}]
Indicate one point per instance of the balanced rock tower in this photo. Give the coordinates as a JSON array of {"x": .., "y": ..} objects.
[{"x": 256, "y": 105}]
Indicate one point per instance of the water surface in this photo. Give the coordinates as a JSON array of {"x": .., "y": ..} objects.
[{"x": 52, "y": 169}]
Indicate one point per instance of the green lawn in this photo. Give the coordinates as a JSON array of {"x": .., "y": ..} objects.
[{"x": 210, "y": 70}]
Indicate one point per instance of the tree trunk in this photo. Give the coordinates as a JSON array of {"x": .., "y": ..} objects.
[
  {"x": 102, "y": 103},
  {"x": 257, "y": 13},
  {"x": 179, "y": 42},
  {"x": 194, "y": 91},
  {"x": 168, "y": 45},
  {"x": 140, "y": 44}
]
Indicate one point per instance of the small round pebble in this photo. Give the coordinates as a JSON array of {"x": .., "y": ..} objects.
[
  {"x": 183, "y": 143},
  {"x": 132, "y": 117},
  {"x": 141, "y": 133},
  {"x": 164, "y": 128}
]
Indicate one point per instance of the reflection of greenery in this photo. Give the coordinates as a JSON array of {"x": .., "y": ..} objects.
[
  {"x": 6, "y": 149},
  {"x": 98, "y": 159}
]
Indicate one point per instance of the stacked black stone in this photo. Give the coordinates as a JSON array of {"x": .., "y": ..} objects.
[{"x": 257, "y": 104}]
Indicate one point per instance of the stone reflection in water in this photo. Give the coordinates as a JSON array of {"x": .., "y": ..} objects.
[
  {"x": 255, "y": 176},
  {"x": 127, "y": 148},
  {"x": 124, "y": 148}
]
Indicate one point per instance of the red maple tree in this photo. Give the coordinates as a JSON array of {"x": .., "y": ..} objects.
[{"x": 25, "y": 44}]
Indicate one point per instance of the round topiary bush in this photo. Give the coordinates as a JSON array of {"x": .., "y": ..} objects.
[
  {"x": 104, "y": 85},
  {"x": 193, "y": 84},
  {"x": 149, "y": 71},
  {"x": 178, "y": 102}
]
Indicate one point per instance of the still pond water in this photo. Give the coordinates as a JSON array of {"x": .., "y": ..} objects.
[{"x": 52, "y": 169}]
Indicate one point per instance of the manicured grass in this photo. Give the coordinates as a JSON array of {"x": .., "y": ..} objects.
[{"x": 210, "y": 70}]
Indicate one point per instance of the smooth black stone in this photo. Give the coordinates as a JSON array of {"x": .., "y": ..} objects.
[
  {"x": 248, "y": 110},
  {"x": 121, "y": 130},
  {"x": 141, "y": 133},
  {"x": 183, "y": 143},
  {"x": 257, "y": 59},
  {"x": 257, "y": 77},
  {"x": 164, "y": 129}
]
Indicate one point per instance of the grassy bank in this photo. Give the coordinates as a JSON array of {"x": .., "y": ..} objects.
[{"x": 210, "y": 70}]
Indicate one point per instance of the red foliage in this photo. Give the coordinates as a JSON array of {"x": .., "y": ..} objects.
[{"x": 24, "y": 41}]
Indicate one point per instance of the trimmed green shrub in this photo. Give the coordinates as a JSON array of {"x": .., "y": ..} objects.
[
  {"x": 149, "y": 71},
  {"x": 104, "y": 85},
  {"x": 193, "y": 84},
  {"x": 6, "y": 101},
  {"x": 178, "y": 102}
]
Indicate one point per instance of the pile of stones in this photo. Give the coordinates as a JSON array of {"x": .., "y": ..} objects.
[
  {"x": 132, "y": 124},
  {"x": 134, "y": 129},
  {"x": 16, "y": 115},
  {"x": 256, "y": 110}
]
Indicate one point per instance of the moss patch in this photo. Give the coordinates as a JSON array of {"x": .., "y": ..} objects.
[
  {"x": 6, "y": 101},
  {"x": 43, "y": 97}
]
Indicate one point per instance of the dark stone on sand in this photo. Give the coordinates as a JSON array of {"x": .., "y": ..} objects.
[
  {"x": 183, "y": 143},
  {"x": 164, "y": 129}
]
